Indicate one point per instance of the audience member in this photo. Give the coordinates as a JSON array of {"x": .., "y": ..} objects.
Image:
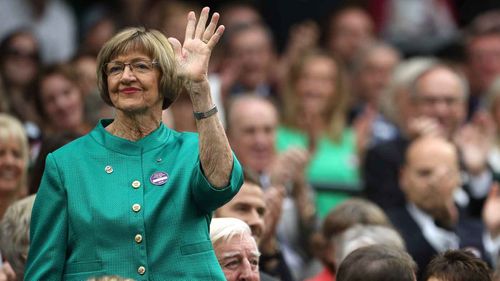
[
  {"x": 347, "y": 30},
  {"x": 482, "y": 44},
  {"x": 53, "y": 23},
  {"x": 416, "y": 26},
  {"x": 14, "y": 161},
  {"x": 250, "y": 206},
  {"x": 248, "y": 65},
  {"x": 430, "y": 222},
  {"x": 345, "y": 215},
  {"x": 457, "y": 265},
  {"x": 314, "y": 118},
  {"x": 60, "y": 101},
  {"x": 439, "y": 97},
  {"x": 14, "y": 234},
  {"x": 235, "y": 248},
  {"x": 377, "y": 263},
  {"x": 19, "y": 68},
  {"x": 251, "y": 126}
]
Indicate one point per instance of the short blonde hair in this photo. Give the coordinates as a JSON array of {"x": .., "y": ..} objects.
[
  {"x": 154, "y": 44},
  {"x": 14, "y": 234},
  {"x": 10, "y": 127}
]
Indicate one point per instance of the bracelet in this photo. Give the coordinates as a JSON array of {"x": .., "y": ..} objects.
[{"x": 202, "y": 115}]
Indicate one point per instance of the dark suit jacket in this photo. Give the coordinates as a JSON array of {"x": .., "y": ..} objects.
[{"x": 469, "y": 230}]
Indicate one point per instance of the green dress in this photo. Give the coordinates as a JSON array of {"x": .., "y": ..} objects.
[
  {"x": 141, "y": 210},
  {"x": 333, "y": 169}
]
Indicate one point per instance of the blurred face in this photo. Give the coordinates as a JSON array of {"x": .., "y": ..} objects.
[
  {"x": 253, "y": 133},
  {"x": 133, "y": 91},
  {"x": 251, "y": 51},
  {"x": 316, "y": 85},
  {"x": 349, "y": 31},
  {"x": 441, "y": 96},
  {"x": 431, "y": 175},
  {"x": 21, "y": 64},
  {"x": 62, "y": 102},
  {"x": 484, "y": 61},
  {"x": 375, "y": 73},
  {"x": 239, "y": 258},
  {"x": 11, "y": 165},
  {"x": 248, "y": 205},
  {"x": 87, "y": 78}
]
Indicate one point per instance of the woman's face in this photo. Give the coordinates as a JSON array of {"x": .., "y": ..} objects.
[
  {"x": 62, "y": 102},
  {"x": 135, "y": 91},
  {"x": 21, "y": 66},
  {"x": 12, "y": 165},
  {"x": 316, "y": 84}
]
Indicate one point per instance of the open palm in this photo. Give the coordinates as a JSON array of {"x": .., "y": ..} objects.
[{"x": 194, "y": 54}]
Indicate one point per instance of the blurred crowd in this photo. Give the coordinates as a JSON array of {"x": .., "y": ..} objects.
[{"x": 369, "y": 128}]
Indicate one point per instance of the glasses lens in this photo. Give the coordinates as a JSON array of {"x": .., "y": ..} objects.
[
  {"x": 114, "y": 68},
  {"x": 142, "y": 66}
]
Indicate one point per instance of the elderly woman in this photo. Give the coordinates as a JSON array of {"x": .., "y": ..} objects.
[
  {"x": 14, "y": 234},
  {"x": 14, "y": 154},
  {"x": 134, "y": 198}
]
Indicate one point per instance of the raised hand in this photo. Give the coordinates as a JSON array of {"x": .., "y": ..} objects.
[{"x": 194, "y": 54}]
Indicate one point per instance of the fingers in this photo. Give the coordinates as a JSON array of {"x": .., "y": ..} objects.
[
  {"x": 215, "y": 38},
  {"x": 176, "y": 45},
  {"x": 190, "y": 26},
  {"x": 209, "y": 32},
  {"x": 7, "y": 273},
  {"x": 200, "y": 27}
]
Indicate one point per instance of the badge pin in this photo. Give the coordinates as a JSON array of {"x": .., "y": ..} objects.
[
  {"x": 158, "y": 178},
  {"x": 108, "y": 169}
]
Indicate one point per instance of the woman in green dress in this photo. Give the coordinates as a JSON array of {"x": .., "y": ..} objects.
[{"x": 134, "y": 198}]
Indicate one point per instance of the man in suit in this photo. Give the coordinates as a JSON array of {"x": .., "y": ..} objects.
[
  {"x": 430, "y": 222},
  {"x": 439, "y": 95}
]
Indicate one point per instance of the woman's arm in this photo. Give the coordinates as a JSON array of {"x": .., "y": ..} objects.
[
  {"x": 48, "y": 229},
  {"x": 192, "y": 58}
]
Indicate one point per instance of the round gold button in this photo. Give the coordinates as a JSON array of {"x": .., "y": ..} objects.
[
  {"x": 108, "y": 169},
  {"x": 136, "y": 207},
  {"x": 141, "y": 270},
  {"x": 136, "y": 184},
  {"x": 138, "y": 238}
]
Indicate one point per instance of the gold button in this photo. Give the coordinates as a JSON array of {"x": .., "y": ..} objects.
[
  {"x": 136, "y": 184},
  {"x": 108, "y": 169},
  {"x": 136, "y": 207},
  {"x": 138, "y": 238},
  {"x": 141, "y": 270}
]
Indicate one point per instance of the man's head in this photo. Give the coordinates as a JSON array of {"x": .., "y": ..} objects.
[
  {"x": 457, "y": 265},
  {"x": 251, "y": 124},
  {"x": 250, "y": 48},
  {"x": 441, "y": 94},
  {"x": 248, "y": 205},
  {"x": 235, "y": 248},
  {"x": 483, "y": 50},
  {"x": 430, "y": 176},
  {"x": 377, "y": 263}
]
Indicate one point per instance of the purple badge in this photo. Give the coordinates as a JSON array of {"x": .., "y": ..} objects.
[{"x": 159, "y": 178}]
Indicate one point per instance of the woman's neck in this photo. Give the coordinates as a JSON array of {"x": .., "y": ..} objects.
[{"x": 133, "y": 127}]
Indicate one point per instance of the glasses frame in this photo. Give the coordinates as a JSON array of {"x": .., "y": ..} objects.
[{"x": 134, "y": 70}]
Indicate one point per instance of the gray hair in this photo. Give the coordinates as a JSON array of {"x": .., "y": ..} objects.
[
  {"x": 359, "y": 236},
  {"x": 223, "y": 229},
  {"x": 368, "y": 49},
  {"x": 14, "y": 234},
  {"x": 460, "y": 76},
  {"x": 402, "y": 78}
]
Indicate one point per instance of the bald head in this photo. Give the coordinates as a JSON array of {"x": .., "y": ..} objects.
[
  {"x": 252, "y": 123},
  {"x": 430, "y": 175}
]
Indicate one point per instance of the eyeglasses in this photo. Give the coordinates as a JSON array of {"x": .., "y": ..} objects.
[{"x": 117, "y": 68}]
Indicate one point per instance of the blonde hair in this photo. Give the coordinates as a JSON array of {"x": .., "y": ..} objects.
[
  {"x": 14, "y": 234},
  {"x": 10, "y": 127},
  {"x": 337, "y": 105},
  {"x": 154, "y": 44}
]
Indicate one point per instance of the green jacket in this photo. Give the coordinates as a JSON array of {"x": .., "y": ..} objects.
[{"x": 97, "y": 211}]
